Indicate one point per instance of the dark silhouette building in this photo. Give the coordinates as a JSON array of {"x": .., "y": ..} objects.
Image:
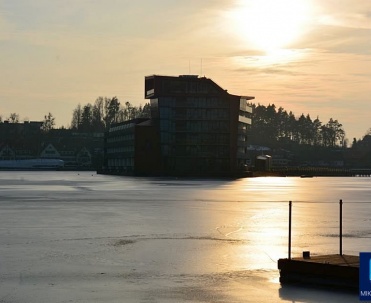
[
  {"x": 197, "y": 129},
  {"x": 132, "y": 147}
]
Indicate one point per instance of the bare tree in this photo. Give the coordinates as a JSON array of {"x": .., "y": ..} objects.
[
  {"x": 13, "y": 118},
  {"x": 48, "y": 123},
  {"x": 76, "y": 117}
]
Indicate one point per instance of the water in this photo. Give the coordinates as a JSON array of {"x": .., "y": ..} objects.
[{"x": 82, "y": 237}]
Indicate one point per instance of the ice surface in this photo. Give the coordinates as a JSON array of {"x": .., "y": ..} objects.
[{"x": 82, "y": 237}]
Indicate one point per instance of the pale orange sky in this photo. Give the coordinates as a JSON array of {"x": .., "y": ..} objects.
[{"x": 308, "y": 56}]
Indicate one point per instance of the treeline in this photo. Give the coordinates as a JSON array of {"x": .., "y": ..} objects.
[
  {"x": 277, "y": 127},
  {"x": 95, "y": 117},
  {"x": 104, "y": 112},
  {"x": 271, "y": 126}
]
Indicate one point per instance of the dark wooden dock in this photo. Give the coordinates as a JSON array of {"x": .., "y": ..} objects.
[{"x": 327, "y": 270}]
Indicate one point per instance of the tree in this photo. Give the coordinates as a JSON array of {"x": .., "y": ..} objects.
[
  {"x": 271, "y": 122},
  {"x": 282, "y": 123},
  {"x": 146, "y": 111},
  {"x": 76, "y": 117},
  {"x": 316, "y": 129},
  {"x": 48, "y": 123},
  {"x": 336, "y": 132},
  {"x": 98, "y": 114},
  {"x": 104, "y": 112},
  {"x": 112, "y": 108},
  {"x": 264, "y": 129},
  {"x": 130, "y": 111},
  {"x": 86, "y": 118},
  {"x": 13, "y": 118},
  {"x": 293, "y": 131},
  {"x": 302, "y": 130},
  {"x": 326, "y": 136}
]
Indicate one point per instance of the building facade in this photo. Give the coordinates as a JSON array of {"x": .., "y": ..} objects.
[
  {"x": 202, "y": 128},
  {"x": 197, "y": 128},
  {"x": 131, "y": 147}
]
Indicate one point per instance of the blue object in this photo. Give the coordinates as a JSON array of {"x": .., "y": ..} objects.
[{"x": 365, "y": 276}]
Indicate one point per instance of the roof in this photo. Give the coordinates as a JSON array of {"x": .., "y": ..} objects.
[{"x": 151, "y": 90}]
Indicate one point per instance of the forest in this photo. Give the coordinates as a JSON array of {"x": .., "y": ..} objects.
[{"x": 277, "y": 127}]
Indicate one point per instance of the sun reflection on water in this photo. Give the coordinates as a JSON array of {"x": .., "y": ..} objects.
[{"x": 255, "y": 213}]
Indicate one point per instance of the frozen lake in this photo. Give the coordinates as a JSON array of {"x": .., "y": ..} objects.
[{"x": 82, "y": 237}]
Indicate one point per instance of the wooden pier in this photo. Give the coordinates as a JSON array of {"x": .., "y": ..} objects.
[
  {"x": 337, "y": 270},
  {"x": 327, "y": 270}
]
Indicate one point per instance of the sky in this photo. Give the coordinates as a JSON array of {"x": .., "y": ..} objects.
[{"x": 307, "y": 56}]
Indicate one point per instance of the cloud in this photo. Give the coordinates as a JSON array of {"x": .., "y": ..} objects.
[
  {"x": 337, "y": 39},
  {"x": 344, "y": 13}
]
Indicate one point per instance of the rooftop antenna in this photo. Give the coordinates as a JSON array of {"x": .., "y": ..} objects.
[
  {"x": 201, "y": 68},
  {"x": 189, "y": 66}
]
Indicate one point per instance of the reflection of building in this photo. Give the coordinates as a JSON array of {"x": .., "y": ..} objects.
[{"x": 197, "y": 128}]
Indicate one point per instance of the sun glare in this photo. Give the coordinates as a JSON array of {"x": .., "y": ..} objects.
[
  {"x": 269, "y": 25},
  {"x": 278, "y": 56}
]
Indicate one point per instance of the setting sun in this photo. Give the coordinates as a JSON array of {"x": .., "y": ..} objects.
[{"x": 270, "y": 25}]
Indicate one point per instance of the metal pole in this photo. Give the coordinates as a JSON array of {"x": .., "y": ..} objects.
[
  {"x": 341, "y": 228},
  {"x": 290, "y": 212}
]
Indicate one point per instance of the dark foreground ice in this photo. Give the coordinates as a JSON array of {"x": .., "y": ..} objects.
[{"x": 82, "y": 237}]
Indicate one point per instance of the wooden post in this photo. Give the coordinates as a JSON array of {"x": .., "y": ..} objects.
[
  {"x": 341, "y": 228},
  {"x": 290, "y": 212}
]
